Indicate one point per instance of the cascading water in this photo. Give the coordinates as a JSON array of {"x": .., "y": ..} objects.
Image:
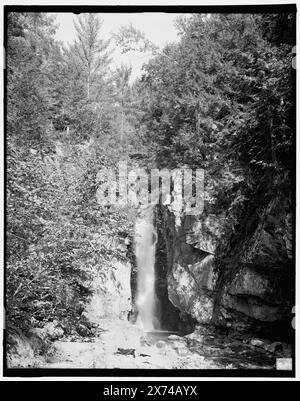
[{"x": 145, "y": 242}]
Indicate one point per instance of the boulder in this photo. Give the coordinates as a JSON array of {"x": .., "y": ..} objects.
[
  {"x": 255, "y": 342},
  {"x": 126, "y": 351},
  {"x": 173, "y": 337},
  {"x": 83, "y": 330},
  {"x": 52, "y": 331},
  {"x": 275, "y": 347},
  {"x": 190, "y": 288}
]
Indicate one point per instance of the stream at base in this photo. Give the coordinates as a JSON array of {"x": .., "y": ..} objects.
[
  {"x": 160, "y": 335},
  {"x": 120, "y": 345}
]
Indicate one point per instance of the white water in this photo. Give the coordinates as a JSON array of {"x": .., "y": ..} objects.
[{"x": 145, "y": 241}]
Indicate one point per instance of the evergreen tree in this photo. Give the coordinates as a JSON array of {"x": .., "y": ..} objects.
[{"x": 92, "y": 52}]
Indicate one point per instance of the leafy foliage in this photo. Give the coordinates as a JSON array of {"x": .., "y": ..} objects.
[
  {"x": 59, "y": 135},
  {"x": 223, "y": 100}
]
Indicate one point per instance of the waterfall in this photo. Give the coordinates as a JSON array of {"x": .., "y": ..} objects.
[{"x": 145, "y": 241}]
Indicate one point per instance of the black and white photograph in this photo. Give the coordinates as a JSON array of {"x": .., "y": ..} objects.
[{"x": 149, "y": 191}]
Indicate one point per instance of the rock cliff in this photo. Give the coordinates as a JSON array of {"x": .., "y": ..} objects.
[{"x": 249, "y": 290}]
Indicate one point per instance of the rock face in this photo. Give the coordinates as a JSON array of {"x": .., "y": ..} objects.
[
  {"x": 262, "y": 287},
  {"x": 111, "y": 293},
  {"x": 254, "y": 293},
  {"x": 192, "y": 293},
  {"x": 189, "y": 259},
  {"x": 257, "y": 295}
]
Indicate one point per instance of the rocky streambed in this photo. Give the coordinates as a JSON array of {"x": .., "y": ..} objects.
[{"x": 118, "y": 344}]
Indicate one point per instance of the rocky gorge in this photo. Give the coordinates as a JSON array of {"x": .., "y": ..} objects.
[
  {"x": 107, "y": 265},
  {"x": 244, "y": 322}
]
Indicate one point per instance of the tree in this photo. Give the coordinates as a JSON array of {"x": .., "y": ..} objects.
[
  {"x": 58, "y": 237},
  {"x": 91, "y": 51},
  {"x": 123, "y": 93},
  {"x": 223, "y": 100},
  {"x": 29, "y": 93}
]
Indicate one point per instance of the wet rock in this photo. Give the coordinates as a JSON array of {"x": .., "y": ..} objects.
[
  {"x": 161, "y": 344},
  {"x": 174, "y": 337},
  {"x": 255, "y": 342},
  {"x": 128, "y": 351},
  {"x": 194, "y": 340},
  {"x": 190, "y": 284},
  {"x": 275, "y": 347},
  {"x": 83, "y": 330},
  {"x": 144, "y": 355}
]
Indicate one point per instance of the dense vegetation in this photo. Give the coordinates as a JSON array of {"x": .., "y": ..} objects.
[
  {"x": 223, "y": 99},
  {"x": 65, "y": 121},
  {"x": 220, "y": 99}
]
